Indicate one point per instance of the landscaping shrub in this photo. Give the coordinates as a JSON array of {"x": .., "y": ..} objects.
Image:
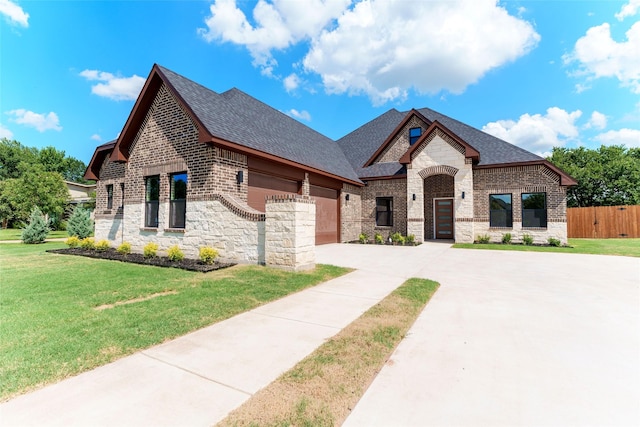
[
  {"x": 378, "y": 238},
  {"x": 150, "y": 250},
  {"x": 397, "y": 238},
  {"x": 175, "y": 254},
  {"x": 79, "y": 223},
  {"x": 527, "y": 239},
  {"x": 88, "y": 243},
  {"x": 72, "y": 242},
  {"x": 37, "y": 229},
  {"x": 483, "y": 238},
  {"x": 102, "y": 245},
  {"x": 208, "y": 255},
  {"x": 363, "y": 238},
  {"x": 124, "y": 248},
  {"x": 410, "y": 239},
  {"x": 506, "y": 238},
  {"x": 553, "y": 242}
]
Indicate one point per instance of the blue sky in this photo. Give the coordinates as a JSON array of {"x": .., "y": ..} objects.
[{"x": 538, "y": 74}]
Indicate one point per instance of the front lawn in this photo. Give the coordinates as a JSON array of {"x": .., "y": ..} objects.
[
  {"x": 61, "y": 315},
  {"x": 622, "y": 247},
  {"x": 16, "y": 234}
]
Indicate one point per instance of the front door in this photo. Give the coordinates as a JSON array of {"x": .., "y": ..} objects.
[{"x": 443, "y": 218}]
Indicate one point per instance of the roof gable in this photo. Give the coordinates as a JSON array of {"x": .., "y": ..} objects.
[
  {"x": 237, "y": 121},
  {"x": 101, "y": 153},
  {"x": 435, "y": 129}
]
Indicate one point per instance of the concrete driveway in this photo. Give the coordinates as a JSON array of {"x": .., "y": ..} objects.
[{"x": 511, "y": 338}]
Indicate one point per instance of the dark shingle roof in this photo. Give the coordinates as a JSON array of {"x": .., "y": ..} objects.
[
  {"x": 363, "y": 142},
  {"x": 239, "y": 118}
]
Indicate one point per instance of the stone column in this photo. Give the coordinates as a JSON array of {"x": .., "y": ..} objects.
[{"x": 290, "y": 232}]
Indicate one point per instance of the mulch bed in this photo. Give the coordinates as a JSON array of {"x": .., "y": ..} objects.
[{"x": 112, "y": 254}]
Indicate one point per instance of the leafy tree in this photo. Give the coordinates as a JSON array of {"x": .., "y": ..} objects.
[
  {"x": 608, "y": 176},
  {"x": 38, "y": 228},
  {"x": 79, "y": 223},
  {"x": 12, "y": 154},
  {"x": 34, "y": 187}
]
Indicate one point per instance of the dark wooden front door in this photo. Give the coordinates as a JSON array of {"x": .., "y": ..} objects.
[{"x": 443, "y": 218}]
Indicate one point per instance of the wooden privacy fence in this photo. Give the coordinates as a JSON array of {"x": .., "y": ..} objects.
[{"x": 602, "y": 222}]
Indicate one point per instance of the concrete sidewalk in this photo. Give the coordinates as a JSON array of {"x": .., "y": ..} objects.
[{"x": 199, "y": 378}]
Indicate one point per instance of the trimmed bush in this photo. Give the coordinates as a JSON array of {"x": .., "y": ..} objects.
[
  {"x": 150, "y": 250},
  {"x": 363, "y": 238},
  {"x": 410, "y": 239},
  {"x": 37, "y": 229},
  {"x": 397, "y": 238},
  {"x": 527, "y": 239},
  {"x": 506, "y": 238},
  {"x": 88, "y": 243},
  {"x": 483, "y": 238},
  {"x": 72, "y": 242},
  {"x": 553, "y": 242},
  {"x": 80, "y": 223},
  {"x": 124, "y": 248},
  {"x": 175, "y": 254},
  {"x": 102, "y": 245},
  {"x": 378, "y": 239},
  {"x": 208, "y": 255}
]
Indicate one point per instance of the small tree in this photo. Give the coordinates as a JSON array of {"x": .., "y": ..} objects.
[
  {"x": 79, "y": 223},
  {"x": 37, "y": 229}
]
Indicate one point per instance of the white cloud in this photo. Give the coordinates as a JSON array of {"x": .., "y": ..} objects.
[
  {"x": 380, "y": 48},
  {"x": 598, "y": 55},
  {"x": 14, "y": 12},
  {"x": 300, "y": 115},
  {"x": 96, "y": 137},
  {"x": 629, "y": 9},
  {"x": 5, "y": 133},
  {"x": 628, "y": 137},
  {"x": 597, "y": 121},
  {"x": 41, "y": 122},
  {"x": 112, "y": 87},
  {"x": 538, "y": 133},
  {"x": 291, "y": 82}
]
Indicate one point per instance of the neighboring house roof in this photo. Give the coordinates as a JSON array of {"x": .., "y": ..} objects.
[
  {"x": 79, "y": 192},
  {"x": 240, "y": 122}
]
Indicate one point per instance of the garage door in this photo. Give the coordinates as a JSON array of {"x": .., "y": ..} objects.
[
  {"x": 261, "y": 186},
  {"x": 326, "y": 214}
]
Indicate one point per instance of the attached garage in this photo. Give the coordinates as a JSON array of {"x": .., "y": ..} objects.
[{"x": 263, "y": 183}]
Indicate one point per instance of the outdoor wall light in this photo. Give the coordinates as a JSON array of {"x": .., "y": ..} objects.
[
  {"x": 414, "y": 196},
  {"x": 346, "y": 197},
  {"x": 240, "y": 177},
  {"x": 463, "y": 194}
]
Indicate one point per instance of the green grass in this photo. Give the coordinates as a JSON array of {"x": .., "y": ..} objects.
[
  {"x": 622, "y": 247},
  {"x": 16, "y": 234},
  {"x": 50, "y": 329}
]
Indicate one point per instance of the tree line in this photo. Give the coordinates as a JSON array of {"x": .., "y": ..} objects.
[{"x": 32, "y": 177}]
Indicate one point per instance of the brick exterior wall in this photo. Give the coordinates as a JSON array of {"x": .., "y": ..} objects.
[
  {"x": 434, "y": 187},
  {"x": 110, "y": 174},
  {"x": 396, "y": 188},
  {"x": 351, "y": 213},
  {"x": 400, "y": 144}
]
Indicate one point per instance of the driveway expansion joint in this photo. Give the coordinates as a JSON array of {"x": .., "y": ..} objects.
[{"x": 297, "y": 320}]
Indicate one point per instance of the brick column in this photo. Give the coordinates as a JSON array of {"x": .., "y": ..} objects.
[{"x": 290, "y": 224}]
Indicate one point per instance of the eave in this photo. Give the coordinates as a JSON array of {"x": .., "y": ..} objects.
[
  {"x": 469, "y": 151},
  {"x": 566, "y": 180},
  {"x": 411, "y": 114},
  {"x": 93, "y": 170}
]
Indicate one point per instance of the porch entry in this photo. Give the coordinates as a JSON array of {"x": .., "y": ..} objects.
[{"x": 443, "y": 218}]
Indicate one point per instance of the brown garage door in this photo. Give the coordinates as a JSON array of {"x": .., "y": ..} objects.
[
  {"x": 261, "y": 186},
  {"x": 326, "y": 214}
]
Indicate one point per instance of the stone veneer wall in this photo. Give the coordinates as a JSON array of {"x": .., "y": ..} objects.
[
  {"x": 396, "y": 188},
  {"x": 437, "y": 155},
  {"x": 290, "y": 224},
  {"x": 515, "y": 181},
  {"x": 350, "y": 213}
]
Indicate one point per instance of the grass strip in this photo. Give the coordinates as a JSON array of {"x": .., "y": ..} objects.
[
  {"x": 323, "y": 388},
  {"x": 16, "y": 234},
  {"x": 618, "y": 247},
  {"x": 61, "y": 315}
]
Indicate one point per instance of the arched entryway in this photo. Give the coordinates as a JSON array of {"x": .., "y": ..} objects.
[{"x": 439, "y": 188}]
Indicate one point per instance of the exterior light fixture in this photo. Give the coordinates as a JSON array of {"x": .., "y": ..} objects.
[
  {"x": 346, "y": 197},
  {"x": 414, "y": 196},
  {"x": 240, "y": 177},
  {"x": 463, "y": 194}
]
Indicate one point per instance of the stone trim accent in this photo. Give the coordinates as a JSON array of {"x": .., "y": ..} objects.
[
  {"x": 174, "y": 230},
  {"x": 463, "y": 219},
  {"x": 108, "y": 216},
  {"x": 437, "y": 132},
  {"x": 235, "y": 206},
  {"x": 164, "y": 168},
  {"x": 438, "y": 170}
]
